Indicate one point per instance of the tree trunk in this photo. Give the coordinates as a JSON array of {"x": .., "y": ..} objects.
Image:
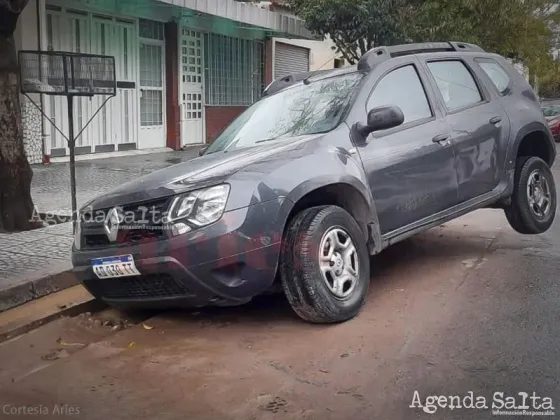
[{"x": 16, "y": 206}]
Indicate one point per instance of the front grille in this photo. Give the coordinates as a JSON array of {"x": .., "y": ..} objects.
[
  {"x": 148, "y": 286},
  {"x": 142, "y": 210},
  {"x": 96, "y": 241},
  {"x": 139, "y": 235},
  {"x": 145, "y": 225}
]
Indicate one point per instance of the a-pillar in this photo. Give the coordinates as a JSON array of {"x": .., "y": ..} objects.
[{"x": 269, "y": 62}]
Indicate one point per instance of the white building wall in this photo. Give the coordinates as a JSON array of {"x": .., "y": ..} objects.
[{"x": 321, "y": 53}]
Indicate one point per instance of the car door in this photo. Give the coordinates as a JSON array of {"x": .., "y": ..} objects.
[
  {"x": 410, "y": 168},
  {"x": 479, "y": 125}
]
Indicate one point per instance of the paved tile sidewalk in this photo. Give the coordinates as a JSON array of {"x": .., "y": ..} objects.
[
  {"x": 29, "y": 260},
  {"x": 50, "y": 187}
]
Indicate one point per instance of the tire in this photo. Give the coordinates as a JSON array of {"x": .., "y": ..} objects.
[
  {"x": 523, "y": 216},
  {"x": 311, "y": 294}
]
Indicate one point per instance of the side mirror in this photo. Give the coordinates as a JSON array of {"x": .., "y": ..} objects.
[{"x": 381, "y": 118}]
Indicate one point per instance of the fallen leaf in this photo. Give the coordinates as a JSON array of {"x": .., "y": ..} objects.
[
  {"x": 132, "y": 344},
  {"x": 147, "y": 327}
]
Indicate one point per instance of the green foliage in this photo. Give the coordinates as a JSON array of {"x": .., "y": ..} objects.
[
  {"x": 520, "y": 29},
  {"x": 549, "y": 82},
  {"x": 355, "y": 26}
]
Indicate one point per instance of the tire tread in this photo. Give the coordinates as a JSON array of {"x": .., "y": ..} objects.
[{"x": 300, "y": 283}]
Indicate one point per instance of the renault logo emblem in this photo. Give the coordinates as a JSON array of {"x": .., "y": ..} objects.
[{"x": 114, "y": 218}]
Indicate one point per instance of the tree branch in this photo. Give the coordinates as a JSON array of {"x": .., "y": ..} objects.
[{"x": 362, "y": 44}]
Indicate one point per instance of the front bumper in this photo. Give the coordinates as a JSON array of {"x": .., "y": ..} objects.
[{"x": 226, "y": 263}]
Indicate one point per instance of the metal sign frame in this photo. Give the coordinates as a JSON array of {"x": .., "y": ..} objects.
[{"x": 67, "y": 74}]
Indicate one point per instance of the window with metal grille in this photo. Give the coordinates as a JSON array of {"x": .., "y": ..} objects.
[
  {"x": 234, "y": 70},
  {"x": 151, "y": 85},
  {"x": 150, "y": 29}
]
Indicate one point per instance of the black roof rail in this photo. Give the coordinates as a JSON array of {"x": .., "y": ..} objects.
[
  {"x": 285, "y": 81},
  {"x": 377, "y": 55}
]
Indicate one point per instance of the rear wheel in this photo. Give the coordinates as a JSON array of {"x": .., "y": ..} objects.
[
  {"x": 533, "y": 204},
  {"x": 325, "y": 265}
]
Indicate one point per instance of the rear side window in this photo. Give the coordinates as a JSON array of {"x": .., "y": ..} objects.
[
  {"x": 402, "y": 87},
  {"x": 497, "y": 74},
  {"x": 456, "y": 84}
]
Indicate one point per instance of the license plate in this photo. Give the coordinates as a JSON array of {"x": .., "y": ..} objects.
[{"x": 109, "y": 267}]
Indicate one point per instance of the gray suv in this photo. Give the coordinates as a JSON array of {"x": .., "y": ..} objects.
[{"x": 325, "y": 170}]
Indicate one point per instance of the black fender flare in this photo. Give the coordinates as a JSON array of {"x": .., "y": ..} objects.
[
  {"x": 534, "y": 127},
  {"x": 291, "y": 200}
]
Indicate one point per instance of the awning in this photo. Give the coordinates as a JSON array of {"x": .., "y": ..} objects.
[{"x": 283, "y": 25}]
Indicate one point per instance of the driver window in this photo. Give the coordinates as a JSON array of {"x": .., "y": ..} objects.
[{"x": 403, "y": 88}]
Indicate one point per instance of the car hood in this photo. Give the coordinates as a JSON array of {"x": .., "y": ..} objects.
[{"x": 203, "y": 171}]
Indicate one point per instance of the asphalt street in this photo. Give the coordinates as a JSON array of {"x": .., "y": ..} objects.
[{"x": 469, "y": 308}]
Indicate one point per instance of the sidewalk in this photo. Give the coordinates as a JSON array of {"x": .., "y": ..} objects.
[
  {"x": 37, "y": 263},
  {"x": 50, "y": 187}
]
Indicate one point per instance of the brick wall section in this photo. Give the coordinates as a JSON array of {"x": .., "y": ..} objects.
[
  {"x": 172, "y": 85},
  {"x": 218, "y": 118}
]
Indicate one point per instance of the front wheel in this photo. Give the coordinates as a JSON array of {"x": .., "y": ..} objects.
[
  {"x": 324, "y": 265},
  {"x": 533, "y": 204}
]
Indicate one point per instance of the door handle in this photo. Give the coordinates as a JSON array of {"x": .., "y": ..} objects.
[
  {"x": 495, "y": 120},
  {"x": 442, "y": 139}
]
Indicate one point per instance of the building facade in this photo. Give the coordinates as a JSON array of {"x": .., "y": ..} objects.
[
  {"x": 292, "y": 55},
  {"x": 184, "y": 70}
]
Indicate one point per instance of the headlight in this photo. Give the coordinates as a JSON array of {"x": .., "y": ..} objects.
[{"x": 198, "y": 208}]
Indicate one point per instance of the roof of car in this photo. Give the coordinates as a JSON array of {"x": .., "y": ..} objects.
[
  {"x": 370, "y": 60},
  {"x": 283, "y": 82}
]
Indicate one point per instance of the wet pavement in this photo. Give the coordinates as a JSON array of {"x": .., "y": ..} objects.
[
  {"x": 34, "y": 255},
  {"x": 467, "y": 307},
  {"x": 50, "y": 187}
]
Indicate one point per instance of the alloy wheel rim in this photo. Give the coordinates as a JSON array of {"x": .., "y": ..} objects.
[
  {"x": 338, "y": 260},
  {"x": 538, "y": 194}
]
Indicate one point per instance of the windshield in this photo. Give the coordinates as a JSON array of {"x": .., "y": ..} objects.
[
  {"x": 551, "y": 110},
  {"x": 303, "y": 109}
]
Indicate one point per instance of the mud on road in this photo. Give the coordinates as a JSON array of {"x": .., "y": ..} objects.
[{"x": 470, "y": 306}]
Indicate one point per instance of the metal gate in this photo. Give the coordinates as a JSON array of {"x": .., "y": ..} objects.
[
  {"x": 116, "y": 126},
  {"x": 152, "y": 81},
  {"x": 290, "y": 59},
  {"x": 192, "y": 85}
]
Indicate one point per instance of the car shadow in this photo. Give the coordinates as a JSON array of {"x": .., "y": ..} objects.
[{"x": 428, "y": 249}]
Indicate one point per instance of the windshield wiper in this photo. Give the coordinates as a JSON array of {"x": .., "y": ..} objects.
[{"x": 262, "y": 141}]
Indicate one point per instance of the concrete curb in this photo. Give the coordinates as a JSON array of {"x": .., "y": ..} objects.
[
  {"x": 67, "y": 303},
  {"x": 36, "y": 284}
]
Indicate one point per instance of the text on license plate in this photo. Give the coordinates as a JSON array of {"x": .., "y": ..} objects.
[{"x": 108, "y": 267}]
